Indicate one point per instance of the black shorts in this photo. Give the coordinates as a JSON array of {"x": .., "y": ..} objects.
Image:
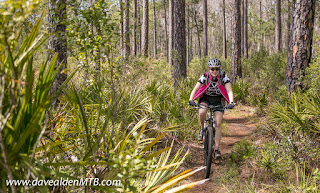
[{"x": 209, "y": 100}]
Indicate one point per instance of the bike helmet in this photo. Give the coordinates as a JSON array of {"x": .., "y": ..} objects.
[{"x": 214, "y": 62}]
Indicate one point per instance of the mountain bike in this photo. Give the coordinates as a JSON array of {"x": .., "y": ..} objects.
[{"x": 208, "y": 136}]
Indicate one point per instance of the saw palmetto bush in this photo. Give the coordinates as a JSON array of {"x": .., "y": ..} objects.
[
  {"x": 24, "y": 98},
  {"x": 112, "y": 150},
  {"x": 296, "y": 124},
  {"x": 96, "y": 132}
]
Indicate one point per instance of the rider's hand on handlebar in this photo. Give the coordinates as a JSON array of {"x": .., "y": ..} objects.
[
  {"x": 192, "y": 103},
  {"x": 231, "y": 105}
]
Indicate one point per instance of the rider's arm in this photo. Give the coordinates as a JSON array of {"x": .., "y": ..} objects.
[
  {"x": 194, "y": 91},
  {"x": 229, "y": 90}
]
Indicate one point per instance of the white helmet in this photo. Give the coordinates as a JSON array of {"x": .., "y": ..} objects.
[{"x": 214, "y": 62}]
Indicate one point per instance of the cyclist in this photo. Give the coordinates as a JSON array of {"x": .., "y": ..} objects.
[{"x": 213, "y": 88}]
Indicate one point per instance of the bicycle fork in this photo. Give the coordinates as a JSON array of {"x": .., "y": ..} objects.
[{"x": 204, "y": 136}]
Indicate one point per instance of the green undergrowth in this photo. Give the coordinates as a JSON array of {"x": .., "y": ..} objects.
[
  {"x": 123, "y": 122},
  {"x": 283, "y": 153}
]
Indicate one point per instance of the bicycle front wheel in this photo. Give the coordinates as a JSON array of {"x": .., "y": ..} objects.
[{"x": 208, "y": 150}]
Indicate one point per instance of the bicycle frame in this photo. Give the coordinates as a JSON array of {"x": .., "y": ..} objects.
[
  {"x": 209, "y": 121},
  {"x": 208, "y": 132}
]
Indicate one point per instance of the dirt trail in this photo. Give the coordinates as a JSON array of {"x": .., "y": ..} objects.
[{"x": 239, "y": 125}]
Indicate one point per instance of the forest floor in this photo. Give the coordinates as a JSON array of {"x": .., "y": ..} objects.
[{"x": 239, "y": 124}]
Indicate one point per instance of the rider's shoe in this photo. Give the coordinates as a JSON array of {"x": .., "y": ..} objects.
[
  {"x": 217, "y": 154},
  {"x": 200, "y": 135}
]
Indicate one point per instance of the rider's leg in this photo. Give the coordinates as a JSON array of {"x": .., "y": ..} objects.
[
  {"x": 218, "y": 119},
  {"x": 203, "y": 114},
  {"x": 202, "y": 117}
]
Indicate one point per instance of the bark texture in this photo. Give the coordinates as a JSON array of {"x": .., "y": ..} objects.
[
  {"x": 236, "y": 41},
  {"x": 126, "y": 30},
  {"x": 95, "y": 30},
  {"x": 145, "y": 27},
  {"x": 205, "y": 28},
  {"x": 300, "y": 43},
  {"x": 121, "y": 27},
  {"x": 224, "y": 29},
  {"x": 58, "y": 40},
  {"x": 288, "y": 23},
  {"x": 242, "y": 26},
  {"x": 179, "y": 42},
  {"x": 135, "y": 19},
  {"x": 154, "y": 30},
  {"x": 171, "y": 29},
  {"x": 165, "y": 29},
  {"x": 245, "y": 29},
  {"x": 278, "y": 26},
  {"x": 198, "y": 30}
]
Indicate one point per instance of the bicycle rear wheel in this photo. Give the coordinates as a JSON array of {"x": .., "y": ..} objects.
[{"x": 208, "y": 150}]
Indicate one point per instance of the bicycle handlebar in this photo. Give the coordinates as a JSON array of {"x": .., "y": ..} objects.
[
  {"x": 212, "y": 107},
  {"x": 198, "y": 106}
]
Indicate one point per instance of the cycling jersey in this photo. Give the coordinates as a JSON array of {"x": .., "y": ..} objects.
[{"x": 213, "y": 89}]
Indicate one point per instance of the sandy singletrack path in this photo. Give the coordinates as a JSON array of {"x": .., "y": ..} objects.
[{"x": 239, "y": 125}]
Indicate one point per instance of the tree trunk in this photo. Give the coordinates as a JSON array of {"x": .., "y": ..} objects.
[
  {"x": 278, "y": 25},
  {"x": 121, "y": 27},
  {"x": 242, "y": 26},
  {"x": 145, "y": 27},
  {"x": 139, "y": 26},
  {"x": 300, "y": 43},
  {"x": 165, "y": 28},
  {"x": 126, "y": 30},
  {"x": 261, "y": 33},
  {"x": 58, "y": 40},
  {"x": 171, "y": 29},
  {"x": 245, "y": 35},
  {"x": 197, "y": 27},
  {"x": 224, "y": 29},
  {"x": 236, "y": 41},
  {"x": 205, "y": 29},
  {"x": 179, "y": 42},
  {"x": 96, "y": 49},
  {"x": 188, "y": 33},
  {"x": 135, "y": 27},
  {"x": 288, "y": 23},
  {"x": 154, "y": 30},
  {"x": 190, "y": 44}
]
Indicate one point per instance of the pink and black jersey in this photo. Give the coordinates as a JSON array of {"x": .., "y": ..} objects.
[{"x": 213, "y": 90}]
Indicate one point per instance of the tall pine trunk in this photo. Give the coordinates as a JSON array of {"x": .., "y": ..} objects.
[
  {"x": 58, "y": 40},
  {"x": 154, "y": 30},
  {"x": 126, "y": 30},
  {"x": 139, "y": 26},
  {"x": 278, "y": 26},
  {"x": 171, "y": 29},
  {"x": 224, "y": 29},
  {"x": 135, "y": 18},
  {"x": 145, "y": 27},
  {"x": 96, "y": 50},
  {"x": 245, "y": 30},
  {"x": 198, "y": 31},
  {"x": 242, "y": 26},
  {"x": 205, "y": 29},
  {"x": 165, "y": 29},
  {"x": 261, "y": 33},
  {"x": 300, "y": 47},
  {"x": 179, "y": 42},
  {"x": 121, "y": 27},
  {"x": 236, "y": 41},
  {"x": 188, "y": 33},
  {"x": 288, "y": 24}
]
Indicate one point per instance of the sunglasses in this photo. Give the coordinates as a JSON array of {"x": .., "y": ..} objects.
[{"x": 214, "y": 69}]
